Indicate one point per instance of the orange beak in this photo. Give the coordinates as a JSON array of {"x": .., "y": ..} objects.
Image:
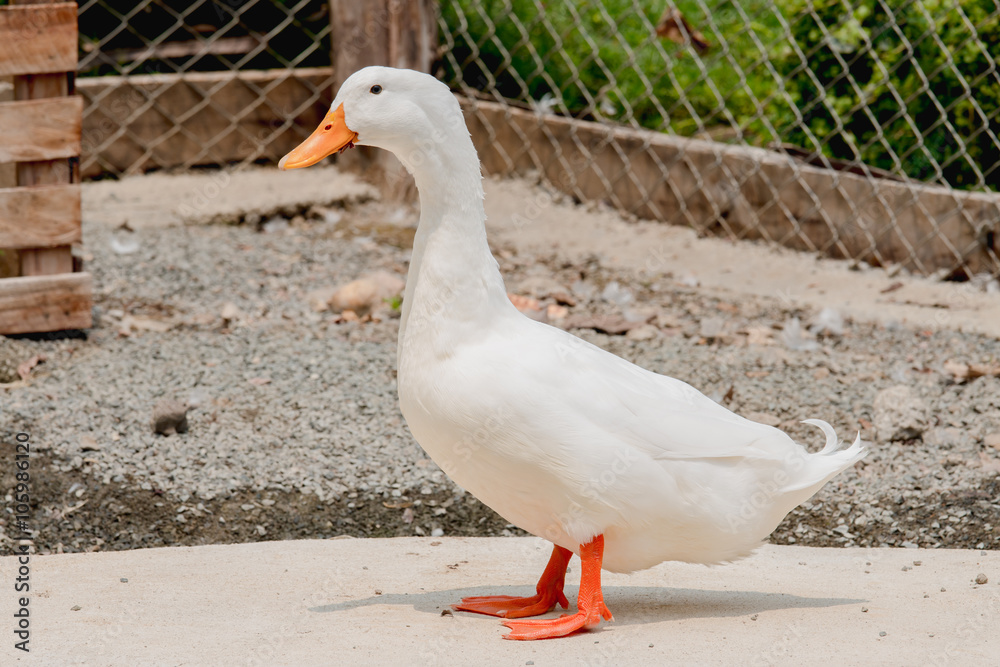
[{"x": 330, "y": 137}]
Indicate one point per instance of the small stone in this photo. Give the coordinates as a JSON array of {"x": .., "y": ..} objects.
[
  {"x": 981, "y": 579},
  {"x": 864, "y": 610},
  {"x": 754, "y": 617},
  {"x": 556, "y": 312},
  {"x": 992, "y": 440},
  {"x": 319, "y": 299},
  {"x": 447, "y": 612},
  {"x": 918, "y": 563},
  {"x": 926, "y": 595},
  {"x": 170, "y": 417},
  {"x": 711, "y": 328},
  {"x": 763, "y": 418},
  {"x": 899, "y": 414},
  {"x": 943, "y": 589},
  {"x": 75, "y": 607},
  {"x": 644, "y": 332},
  {"x": 366, "y": 293},
  {"x": 882, "y": 633},
  {"x": 378, "y": 591},
  {"x": 949, "y": 437},
  {"x": 123, "y": 580},
  {"x": 230, "y": 312}
]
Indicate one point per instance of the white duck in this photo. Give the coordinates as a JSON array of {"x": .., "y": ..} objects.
[{"x": 622, "y": 466}]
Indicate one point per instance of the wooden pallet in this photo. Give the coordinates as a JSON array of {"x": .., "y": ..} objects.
[{"x": 40, "y": 132}]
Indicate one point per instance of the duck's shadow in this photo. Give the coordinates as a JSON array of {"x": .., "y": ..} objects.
[{"x": 631, "y": 605}]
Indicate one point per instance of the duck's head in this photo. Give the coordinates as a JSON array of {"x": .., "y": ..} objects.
[{"x": 400, "y": 110}]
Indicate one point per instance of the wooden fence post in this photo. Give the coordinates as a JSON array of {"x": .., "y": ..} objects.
[
  {"x": 40, "y": 131},
  {"x": 395, "y": 33},
  {"x": 44, "y": 261}
]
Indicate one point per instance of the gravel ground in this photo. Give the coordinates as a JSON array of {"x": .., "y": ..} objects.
[{"x": 295, "y": 430}]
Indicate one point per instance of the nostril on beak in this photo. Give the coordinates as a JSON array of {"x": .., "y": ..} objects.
[{"x": 328, "y": 127}]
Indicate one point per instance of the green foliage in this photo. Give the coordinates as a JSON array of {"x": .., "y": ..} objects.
[
  {"x": 908, "y": 87},
  {"x": 602, "y": 59},
  {"x": 861, "y": 81}
]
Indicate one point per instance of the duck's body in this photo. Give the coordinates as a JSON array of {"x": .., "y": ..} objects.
[
  {"x": 586, "y": 443},
  {"x": 561, "y": 438}
]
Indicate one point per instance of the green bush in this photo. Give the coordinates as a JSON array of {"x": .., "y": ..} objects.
[
  {"x": 847, "y": 81},
  {"x": 607, "y": 63},
  {"x": 891, "y": 88}
]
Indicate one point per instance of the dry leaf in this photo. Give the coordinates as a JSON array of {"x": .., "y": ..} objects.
[
  {"x": 563, "y": 299},
  {"x": 24, "y": 368},
  {"x": 674, "y": 26},
  {"x": 982, "y": 370},
  {"x": 609, "y": 324},
  {"x": 524, "y": 303},
  {"x": 134, "y": 323},
  {"x": 891, "y": 288},
  {"x": 760, "y": 336},
  {"x": 957, "y": 368}
]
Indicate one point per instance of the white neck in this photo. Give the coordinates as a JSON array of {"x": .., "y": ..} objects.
[{"x": 454, "y": 286}]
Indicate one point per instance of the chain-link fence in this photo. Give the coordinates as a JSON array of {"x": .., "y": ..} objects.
[
  {"x": 860, "y": 130},
  {"x": 183, "y": 83}
]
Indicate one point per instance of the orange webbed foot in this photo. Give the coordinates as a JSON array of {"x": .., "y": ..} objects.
[
  {"x": 511, "y": 606},
  {"x": 549, "y": 628},
  {"x": 549, "y": 592},
  {"x": 590, "y": 602}
]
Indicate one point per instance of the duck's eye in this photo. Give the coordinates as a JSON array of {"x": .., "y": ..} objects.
[{"x": 376, "y": 89}]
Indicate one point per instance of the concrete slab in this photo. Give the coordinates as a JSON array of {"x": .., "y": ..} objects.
[{"x": 380, "y": 602}]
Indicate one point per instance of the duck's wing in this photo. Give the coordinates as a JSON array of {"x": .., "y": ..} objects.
[{"x": 664, "y": 417}]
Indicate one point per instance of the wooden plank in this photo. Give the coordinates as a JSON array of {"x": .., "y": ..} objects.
[
  {"x": 129, "y": 122},
  {"x": 32, "y": 130},
  {"x": 743, "y": 192},
  {"x": 53, "y": 81},
  {"x": 382, "y": 32},
  {"x": 45, "y": 303},
  {"x": 38, "y": 39},
  {"x": 40, "y": 217}
]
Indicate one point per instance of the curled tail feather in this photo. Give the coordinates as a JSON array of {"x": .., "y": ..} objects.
[{"x": 833, "y": 442}]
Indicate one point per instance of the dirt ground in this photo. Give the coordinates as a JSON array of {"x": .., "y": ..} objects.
[{"x": 202, "y": 295}]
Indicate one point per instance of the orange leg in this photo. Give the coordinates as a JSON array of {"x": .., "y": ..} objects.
[
  {"x": 549, "y": 592},
  {"x": 590, "y": 602}
]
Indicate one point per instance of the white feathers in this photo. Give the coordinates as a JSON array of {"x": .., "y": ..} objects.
[{"x": 560, "y": 437}]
